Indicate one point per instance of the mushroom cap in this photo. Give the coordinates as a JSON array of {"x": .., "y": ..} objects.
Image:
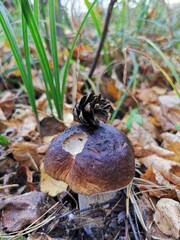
[{"x": 91, "y": 160}]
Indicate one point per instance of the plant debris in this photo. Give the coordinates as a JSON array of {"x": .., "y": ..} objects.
[{"x": 139, "y": 79}]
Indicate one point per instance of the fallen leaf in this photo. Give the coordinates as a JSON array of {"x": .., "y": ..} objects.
[
  {"x": 27, "y": 125},
  {"x": 161, "y": 119},
  {"x": 167, "y": 217},
  {"x": 110, "y": 87},
  {"x": 41, "y": 103},
  {"x": 144, "y": 143},
  {"x": 26, "y": 154},
  {"x": 159, "y": 90},
  {"x": 83, "y": 52},
  {"x": 21, "y": 210},
  {"x": 172, "y": 143},
  {"x": 51, "y": 126},
  {"x": 163, "y": 172},
  {"x": 147, "y": 96},
  {"x": 38, "y": 82},
  {"x": 146, "y": 209},
  {"x": 50, "y": 185},
  {"x": 168, "y": 112},
  {"x": 154, "y": 121},
  {"x": 7, "y": 103},
  {"x": 24, "y": 175},
  {"x": 2, "y": 115},
  {"x": 154, "y": 188}
]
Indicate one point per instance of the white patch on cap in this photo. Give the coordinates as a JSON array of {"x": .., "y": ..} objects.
[{"x": 75, "y": 143}]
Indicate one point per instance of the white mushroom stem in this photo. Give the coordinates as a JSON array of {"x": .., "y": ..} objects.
[{"x": 85, "y": 201}]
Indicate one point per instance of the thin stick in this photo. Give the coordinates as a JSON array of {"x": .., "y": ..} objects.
[
  {"x": 9, "y": 186},
  {"x": 133, "y": 227},
  {"x": 104, "y": 33}
]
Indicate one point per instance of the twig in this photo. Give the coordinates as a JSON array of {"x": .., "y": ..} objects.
[
  {"x": 8, "y": 186},
  {"x": 136, "y": 223},
  {"x": 104, "y": 33},
  {"x": 133, "y": 227}
]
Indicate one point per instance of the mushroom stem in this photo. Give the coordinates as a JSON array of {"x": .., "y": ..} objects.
[
  {"x": 86, "y": 200},
  {"x": 93, "y": 228}
]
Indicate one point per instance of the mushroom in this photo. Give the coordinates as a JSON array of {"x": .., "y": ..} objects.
[{"x": 95, "y": 159}]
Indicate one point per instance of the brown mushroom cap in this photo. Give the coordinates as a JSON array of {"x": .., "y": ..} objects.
[{"x": 91, "y": 160}]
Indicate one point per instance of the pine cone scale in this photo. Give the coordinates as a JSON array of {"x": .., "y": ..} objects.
[{"x": 91, "y": 109}]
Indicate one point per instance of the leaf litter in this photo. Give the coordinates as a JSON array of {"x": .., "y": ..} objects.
[{"x": 38, "y": 207}]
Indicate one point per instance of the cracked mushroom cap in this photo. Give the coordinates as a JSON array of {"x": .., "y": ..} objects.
[{"x": 91, "y": 160}]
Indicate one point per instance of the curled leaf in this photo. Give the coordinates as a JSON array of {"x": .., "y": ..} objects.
[{"x": 167, "y": 217}]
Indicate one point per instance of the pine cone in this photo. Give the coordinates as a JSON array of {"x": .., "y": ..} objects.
[{"x": 91, "y": 109}]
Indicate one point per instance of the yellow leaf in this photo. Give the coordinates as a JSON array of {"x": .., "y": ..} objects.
[{"x": 50, "y": 185}]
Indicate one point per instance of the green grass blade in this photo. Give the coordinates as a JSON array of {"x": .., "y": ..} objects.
[
  {"x": 121, "y": 100},
  {"x": 143, "y": 13},
  {"x": 36, "y": 15},
  {"x": 123, "y": 21},
  {"x": 28, "y": 62},
  {"x": 72, "y": 49},
  {"x": 135, "y": 69},
  {"x": 47, "y": 92},
  {"x": 54, "y": 49},
  {"x": 164, "y": 57},
  {"x": 98, "y": 25},
  {"x": 47, "y": 37},
  {"x": 153, "y": 62},
  {"x": 17, "y": 55},
  {"x": 31, "y": 22},
  {"x": 36, "y": 11}
]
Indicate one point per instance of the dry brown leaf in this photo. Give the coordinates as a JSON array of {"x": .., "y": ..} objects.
[
  {"x": 157, "y": 113},
  {"x": 147, "y": 209},
  {"x": 24, "y": 121},
  {"x": 50, "y": 185},
  {"x": 141, "y": 140},
  {"x": 43, "y": 148},
  {"x": 163, "y": 172},
  {"x": 38, "y": 83},
  {"x": 2, "y": 115},
  {"x": 144, "y": 143},
  {"x": 7, "y": 103},
  {"x": 147, "y": 96},
  {"x": 172, "y": 143},
  {"x": 110, "y": 88},
  {"x": 21, "y": 210},
  {"x": 51, "y": 126},
  {"x": 167, "y": 217},
  {"x": 27, "y": 125},
  {"x": 159, "y": 90},
  {"x": 150, "y": 126},
  {"x": 156, "y": 190},
  {"x": 168, "y": 112},
  {"x": 41, "y": 103},
  {"x": 26, "y": 154},
  {"x": 24, "y": 175},
  {"x": 154, "y": 121},
  {"x": 83, "y": 52}
]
